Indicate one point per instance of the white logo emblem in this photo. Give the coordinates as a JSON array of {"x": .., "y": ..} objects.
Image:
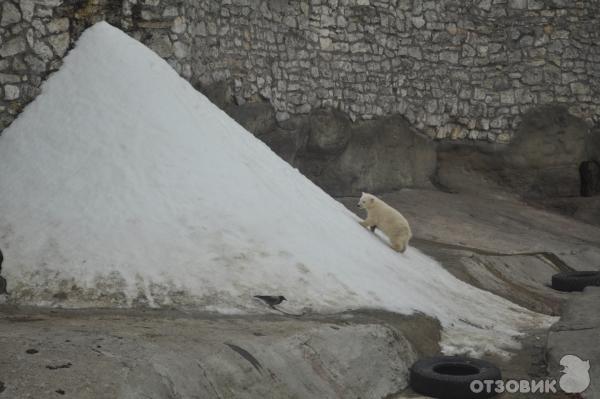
[{"x": 576, "y": 376}]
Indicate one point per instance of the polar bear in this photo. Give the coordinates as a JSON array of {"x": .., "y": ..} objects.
[{"x": 387, "y": 219}]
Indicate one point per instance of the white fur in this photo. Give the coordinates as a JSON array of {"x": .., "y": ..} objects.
[{"x": 387, "y": 219}]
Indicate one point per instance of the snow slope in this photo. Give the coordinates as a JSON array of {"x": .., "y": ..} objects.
[{"x": 121, "y": 185}]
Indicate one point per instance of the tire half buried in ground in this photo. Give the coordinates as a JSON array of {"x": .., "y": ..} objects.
[
  {"x": 450, "y": 377},
  {"x": 575, "y": 281}
]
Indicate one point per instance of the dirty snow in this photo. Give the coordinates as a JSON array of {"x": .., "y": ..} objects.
[{"x": 121, "y": 185}]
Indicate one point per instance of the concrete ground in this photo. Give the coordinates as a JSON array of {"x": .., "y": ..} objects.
[{"x": 503, "y": 246}]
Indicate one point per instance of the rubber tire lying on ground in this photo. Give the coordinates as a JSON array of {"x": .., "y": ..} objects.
[
  {"x": 575, "y": 281},
  {"x": 450, "y": 377}
]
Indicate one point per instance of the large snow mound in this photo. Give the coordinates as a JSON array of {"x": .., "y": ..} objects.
[{"x": 121, "y": 185}]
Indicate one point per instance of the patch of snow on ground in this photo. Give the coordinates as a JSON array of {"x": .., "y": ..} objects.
[{"x": 122, "y": 185}]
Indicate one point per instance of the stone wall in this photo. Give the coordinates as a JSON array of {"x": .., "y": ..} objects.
[{"x": 454, "y": 69}]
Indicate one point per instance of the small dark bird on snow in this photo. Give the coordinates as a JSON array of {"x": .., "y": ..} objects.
[{"x": 271, "y": 300}]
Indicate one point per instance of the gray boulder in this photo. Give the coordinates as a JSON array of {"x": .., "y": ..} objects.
[
  {"x": 219, "y": 93},
  {"x": 381, "y": 155},
  {"x": 329, "y": 131},
  {"x": 137, "y": 354},
  {"x": 342, "y": 157},
  {"x": 542, "y": 161},
  {"x": 544, "y": 158},
  {"x": 285, "y": 143},
  {"x": 257, "y": 117}
]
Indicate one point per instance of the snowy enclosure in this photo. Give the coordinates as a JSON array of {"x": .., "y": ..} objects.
[{"x": 121, "y": 185}]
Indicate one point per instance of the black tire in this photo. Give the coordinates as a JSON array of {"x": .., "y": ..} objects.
[
  {"x": 450, "y": 377},
  {"x": 575, "y": 281}
]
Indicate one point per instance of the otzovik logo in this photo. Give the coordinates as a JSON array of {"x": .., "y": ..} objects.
[
  {"x": 575, "y": 378},
  {"x": 576, "y": 374}
]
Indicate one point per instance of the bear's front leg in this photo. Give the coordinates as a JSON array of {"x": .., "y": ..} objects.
[{"x": 368, "y": 224}]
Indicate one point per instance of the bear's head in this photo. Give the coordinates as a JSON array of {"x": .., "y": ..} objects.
[{"x": 366, "y": 201}]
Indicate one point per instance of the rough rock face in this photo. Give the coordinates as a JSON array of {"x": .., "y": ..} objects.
[
  {"x": 380, "y": 155},
  {"x": 543, "y": 160},
  {"x": 257, "y": 117},
  {"x": 329, "y": 132},
  {"x": 547, "y": 158},
  {"x": 455, "y": 70},
  {"x": 342, "y": 157},
  {"x": 94, "y": 354}
]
